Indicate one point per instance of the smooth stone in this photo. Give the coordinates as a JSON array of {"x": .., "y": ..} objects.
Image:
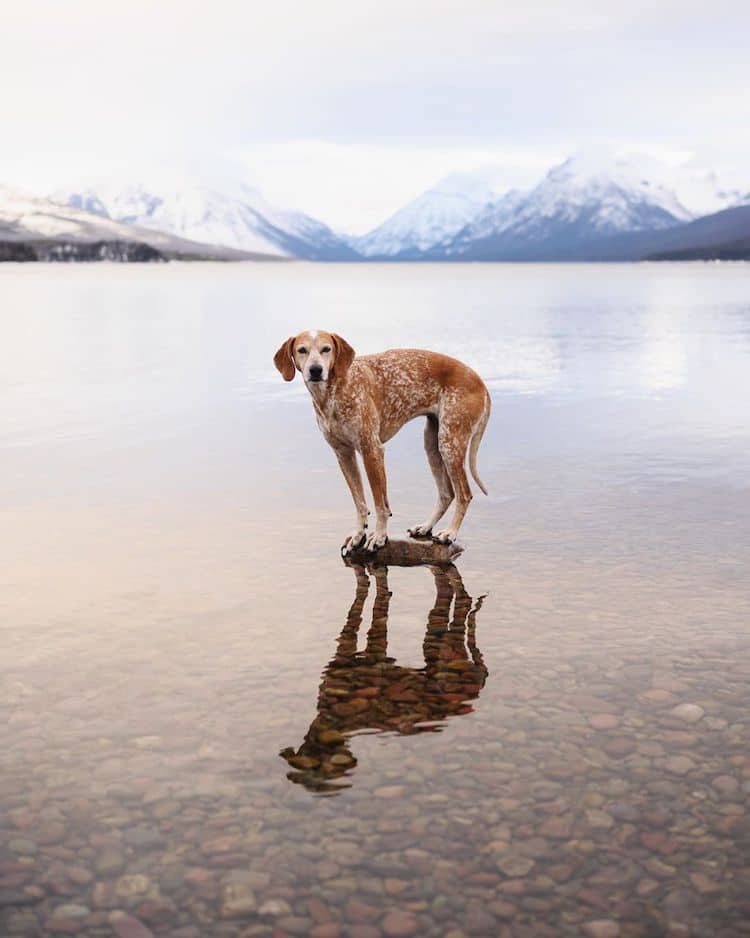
[
  {"x": 164, "y": 809},
  {"x": 71, "y": 910},
  {"x": 359, "y": 911},
  {"x": 514, "y": 865},
  {"x": 275, "y": 907},
  {"x": 619, "y": 746},
  {"x": 389, "y": 791},
  {"x": 134, "y": 886},
  {"x": 79, "y": 875},
  {"x": 502, "y": 909},
  {"x": 599, "y": 819},
  {"x": 726, "y": 784},
  {"x": 604, "y": 721},
  {"x": 225, "y": 844},
  {"x": 704, "y": 885},
  {"x": 394, "y": 886},
  {"x": 125, "y": 926},
  {"x": 658, "y": 869},
  {"x": 238, "y": 901},
  {"x": 558, "y": 827},
  {"x": 688, "y": 712},
  {"x": 679, "y": 765},
  {"x": 398, "y": 924},
  {"x": 646, "y": 886},
  {"x": 657, "y": 696},
  {"x": 250, "y": 879}
]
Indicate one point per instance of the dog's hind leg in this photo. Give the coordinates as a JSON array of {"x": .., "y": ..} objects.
[
  {"x": 453, "y": 441},
  {"x": 442, "y": 480}
]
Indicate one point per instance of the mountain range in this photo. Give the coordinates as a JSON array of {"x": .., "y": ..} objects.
[
  {"x": 214, "y": 210},
  {"x": 581, "y": 210},
  {"x": 593, "y": 206},
  {"x": 33, "y": 229}
]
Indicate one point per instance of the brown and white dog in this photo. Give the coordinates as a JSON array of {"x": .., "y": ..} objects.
[{"x": 360, "y": 403}]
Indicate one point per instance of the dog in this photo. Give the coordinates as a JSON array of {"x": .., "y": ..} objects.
[{"x": 362, "y": 401}]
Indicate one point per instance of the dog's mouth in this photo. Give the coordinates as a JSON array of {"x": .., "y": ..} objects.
[{"x": 316, "y": 379}]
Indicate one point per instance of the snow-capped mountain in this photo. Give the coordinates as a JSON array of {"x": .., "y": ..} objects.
[
  {"x": 583, "y": 199},
  {"x": 27, "y": 219},
  {"x": 225, "y": 212},
  {"x": 433, "y": 218},
  {"x": 599, "y": 204},
  {"x": 24, "y": 216},
  {"x": 598, "y": 194}
]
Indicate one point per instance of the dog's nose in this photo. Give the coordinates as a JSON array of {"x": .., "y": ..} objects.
[{"x": 316, "y": 372}]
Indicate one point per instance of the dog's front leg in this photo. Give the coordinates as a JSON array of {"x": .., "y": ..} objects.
[
  {"x": 348, "y": 461},
  {"x": 372, "y": 456}
]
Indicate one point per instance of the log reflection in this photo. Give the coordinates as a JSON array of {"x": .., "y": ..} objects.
[{"x": 368, "y": 690}]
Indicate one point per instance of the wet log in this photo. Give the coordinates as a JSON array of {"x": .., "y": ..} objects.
[{"x": 406, "y": 553}]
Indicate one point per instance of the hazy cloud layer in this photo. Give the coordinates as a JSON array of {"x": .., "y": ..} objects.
[{"x": 366, "y": 93}]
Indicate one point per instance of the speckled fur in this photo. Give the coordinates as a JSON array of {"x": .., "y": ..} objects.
[{"x": 361, "y": 402}]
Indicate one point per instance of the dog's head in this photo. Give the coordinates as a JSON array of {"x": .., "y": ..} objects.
[{"x": 318, "y": 356}]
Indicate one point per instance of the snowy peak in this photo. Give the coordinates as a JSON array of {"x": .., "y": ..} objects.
[
  {"x": 27, "y": 216},
  {"x": 28, "y": 219},
  {"x": 434, "y": 217},
  {"x": 587, "y": 197},
  {"x": 612, "y": 195},
  {"x": 222, "y": 211},
  {"x": 598, "y": 192},
  {"x": 617, "y": 186}
]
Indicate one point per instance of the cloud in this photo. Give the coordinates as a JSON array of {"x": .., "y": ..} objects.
[{"x": 91, "y": 84}]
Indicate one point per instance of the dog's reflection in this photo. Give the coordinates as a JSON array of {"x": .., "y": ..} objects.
[{"x": 367, "y": 690}]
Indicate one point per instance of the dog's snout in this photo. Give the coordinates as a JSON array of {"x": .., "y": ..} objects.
[{"x": 316, "y": 372}]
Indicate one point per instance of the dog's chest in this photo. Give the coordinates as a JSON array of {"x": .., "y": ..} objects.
[{"x": 337, "y": 426}]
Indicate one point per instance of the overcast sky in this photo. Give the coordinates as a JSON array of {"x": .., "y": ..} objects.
[{"x": 348, "y": 108}]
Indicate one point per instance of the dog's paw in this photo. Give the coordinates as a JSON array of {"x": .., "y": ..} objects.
[
  {"x": 353, "y": 542},
  {"x": 420, "y": 530},
  {"x": 446, "y": 536},
  {"x": 375, "y": 541}
]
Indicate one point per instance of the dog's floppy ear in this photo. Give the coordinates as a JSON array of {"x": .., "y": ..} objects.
[
  {"x": 344, "y": 355},
  {"x": 284, "y": 359}
]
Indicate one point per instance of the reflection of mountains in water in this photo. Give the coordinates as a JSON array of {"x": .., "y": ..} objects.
[{"x": 367, "y": 690}]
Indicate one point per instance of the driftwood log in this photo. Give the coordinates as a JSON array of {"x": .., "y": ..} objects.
[{"x": 408, "y": 553}]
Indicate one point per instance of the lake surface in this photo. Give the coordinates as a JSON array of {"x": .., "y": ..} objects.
[{"x": 210, "y": 725}]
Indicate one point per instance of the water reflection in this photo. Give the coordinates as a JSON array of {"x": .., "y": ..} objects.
[{"x": 369, "y": 691}]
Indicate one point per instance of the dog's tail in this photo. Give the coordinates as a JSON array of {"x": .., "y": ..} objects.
[{"x": 476, "y": 439}]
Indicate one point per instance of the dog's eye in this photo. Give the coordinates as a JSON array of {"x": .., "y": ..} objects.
[
  {"x": 325, "y": 349},
  {"x": 302, "y": 350}
]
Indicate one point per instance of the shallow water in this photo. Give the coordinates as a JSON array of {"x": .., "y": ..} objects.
[{"x": 549, "y": 738}]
